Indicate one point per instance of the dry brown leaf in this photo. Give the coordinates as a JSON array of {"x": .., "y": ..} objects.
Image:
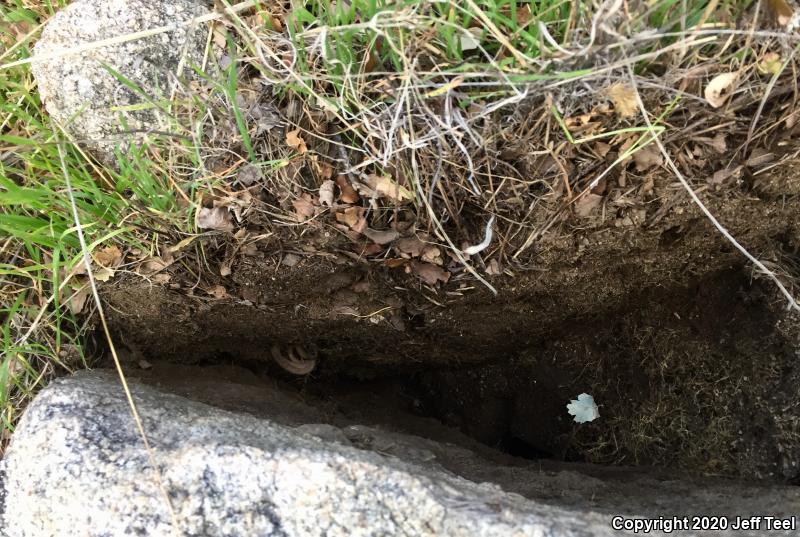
[
  {"x": 624, "y": 98},
  {"x": 324, "y": 170},
  {"x": 582, "y": 124},
  {"x": 249, "y": 174},
  {"x": 349, "y": 194},
  {"x": 432, "y": 254},
  {"x": 602, "y": 148},
  {"x": 782, "y": 11},
  {"x": 380, "y": 237},
  {"x": 153, "y": 265},
  {"x": 103, "y": 274},
  {"x": 587, "y": 203},
  {"x": 385, "y": 187},
  {"x": 10, "y": 32},
  {"x": 493, "y": 268},
  {"x": 720, "y": 176},
  {"x": 304, "y": 207},
  {"x": 720, "y": 88},
  {"x": 162, "y": 278},
  {"x": 295, "y": 141},
  {"x": 719, "y": 144},
  {"x": 77, "y": 300},
  {"x": 217, "y": 291},
  {"x": 218, "y": 218},
  {"x": 368, "y": 249},
  {"x": 647, "y": 157},
  {"x": 80, "y": 268},
  {"x": 110, "y": 257},
  {"x": 353, "y": 217},
  {"x": 219, "y": 37},
  {"x": 326, "y": 193},
  {"x": 395, "y": 263},
  {"x": 411, "y": 246},
  {"x": 430, "y": 273}
]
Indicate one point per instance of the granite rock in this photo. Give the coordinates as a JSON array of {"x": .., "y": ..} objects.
[
  {"x": 81, "y": 90},
  {"x": 78, "y": 466}
]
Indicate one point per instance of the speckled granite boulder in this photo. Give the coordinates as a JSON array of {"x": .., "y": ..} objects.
[
  {"x": 77, "y": 466},
  {"x": 81, "y": 93}
]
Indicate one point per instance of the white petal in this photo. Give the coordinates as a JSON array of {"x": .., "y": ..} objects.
[{"x": 583, "y": 408}]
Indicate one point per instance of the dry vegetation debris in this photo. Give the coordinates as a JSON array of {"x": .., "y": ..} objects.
[
  {"x": 409, "y": 142},
  {"x": 445, "y": 141}
]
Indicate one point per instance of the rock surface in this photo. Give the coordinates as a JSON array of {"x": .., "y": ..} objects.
[
  {"x": 77, "y": 466},
  {"x": 82, "y": 94}
]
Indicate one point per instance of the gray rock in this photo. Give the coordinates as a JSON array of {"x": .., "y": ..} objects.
[
  {"x": 293, "y": 466},
  {"x": 77, "y": 466},
  {"x": 78, "y": 90}
]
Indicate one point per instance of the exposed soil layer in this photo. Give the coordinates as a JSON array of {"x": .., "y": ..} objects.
[{"x": 692, "y": 359}]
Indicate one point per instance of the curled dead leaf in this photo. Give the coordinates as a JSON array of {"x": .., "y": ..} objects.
[
  {"x": 720, "y": 88},
  {"x": 353, "y": 217},
  {"x": 624, "y": 98},
  {"x": 385, "y": 187},
  {"x": 349, "y": 194},
  {"x": 297, "y": 360},
  {"x": 295, "y": 141},
  {"x": 411, "y": 246},
  {"x": 432, "y": 254},
  {"x": 217, "y": 218},
  {"x": 110, "y": 257}
]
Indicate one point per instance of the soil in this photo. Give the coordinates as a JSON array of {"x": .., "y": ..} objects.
[{"x": 691, "y": 356}]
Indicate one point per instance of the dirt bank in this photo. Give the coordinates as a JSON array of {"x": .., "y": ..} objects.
[{"x": 691, "y": 357}]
